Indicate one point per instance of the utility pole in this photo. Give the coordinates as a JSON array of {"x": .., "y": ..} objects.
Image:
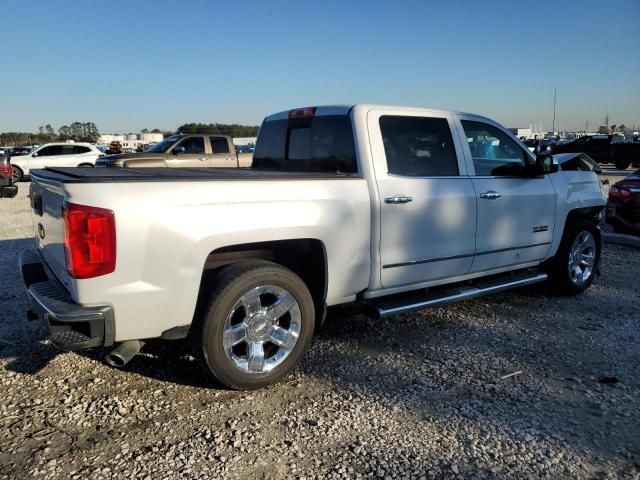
[
  {"x": 586, "y": 126},
  {"x": 555, "y": 94},
  {"x": 606, "y": 121}
]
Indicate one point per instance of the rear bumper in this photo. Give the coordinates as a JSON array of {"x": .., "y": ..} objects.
[
  {"x": 8, "y": 191},
  {"x": 71, "y": 326}
]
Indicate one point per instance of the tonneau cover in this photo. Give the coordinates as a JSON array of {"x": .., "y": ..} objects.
[{"x": 163, "y": 174}]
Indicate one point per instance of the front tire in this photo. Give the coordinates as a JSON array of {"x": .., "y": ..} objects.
[
  {"x": 256, "y": 325},
  {"x": 83, "y": 165},
  {"x": 622, "y": 164},
  {"x": 16, "y": 174},
  {"x": 574, "y": 266}
]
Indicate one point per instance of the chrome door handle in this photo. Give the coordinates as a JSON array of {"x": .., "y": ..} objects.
[
  {"x": 202, "y": 159},
  {"x": 229, "y": 158},
  {"x": 398, "y": 199},
  {"x": 490, "y": 195}
]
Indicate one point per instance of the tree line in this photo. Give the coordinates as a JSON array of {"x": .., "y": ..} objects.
[
  {"x": 88, "y": 132},
  {"x": 234, "y": 129},
  {"x": 77, "y": 131}
]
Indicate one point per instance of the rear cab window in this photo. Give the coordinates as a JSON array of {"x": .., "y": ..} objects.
[{"x": 318, "y": 143}]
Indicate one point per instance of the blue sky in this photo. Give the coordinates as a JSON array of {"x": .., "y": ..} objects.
[{"x": 127, "y": 65}]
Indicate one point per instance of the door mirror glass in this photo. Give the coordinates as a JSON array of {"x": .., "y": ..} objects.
[
  {"x": 545, "y": 164},
  {"x": 178, "y": 149}
]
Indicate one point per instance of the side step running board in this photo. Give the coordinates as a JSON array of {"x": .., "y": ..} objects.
[{"x": 465, "y": 292}]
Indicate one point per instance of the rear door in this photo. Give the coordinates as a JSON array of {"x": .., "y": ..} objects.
[
  {"x": 68, "y": 156},
  {"x": 189, "y": 152},
  {"x": 515, "y": 213},
  {"x": 221, "y": 153},
  {"x": 428, "y": 204}
]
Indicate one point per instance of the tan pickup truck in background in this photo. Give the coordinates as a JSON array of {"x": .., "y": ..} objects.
[{"x": 198, "y": 150}]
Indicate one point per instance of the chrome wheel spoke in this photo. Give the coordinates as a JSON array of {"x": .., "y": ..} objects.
[
  {"x": 234, "y": 336},
  {"x": 283, "y": 338},
  {"x": 282, "y": 305},
  {"x": 251, "y": 302},
  {"x": 249, "y": 326},
  {"x": 255, "y": 357}
]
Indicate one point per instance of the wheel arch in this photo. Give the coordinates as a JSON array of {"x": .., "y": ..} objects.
[
  {"x": 591, "y": 214},
  {"x": 307, "y": 257}
]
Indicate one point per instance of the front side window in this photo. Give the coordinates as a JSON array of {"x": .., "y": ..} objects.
[
  {"x": 418, "y": 146},
  {"x": 219, "y": 145},
  {"x": 193, "y": 145},
  {"x": 494, "y": 152},
  {"x": 50, "y": 151}
]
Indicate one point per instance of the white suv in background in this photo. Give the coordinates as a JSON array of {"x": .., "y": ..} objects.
[{"x": 55, "y": 155}]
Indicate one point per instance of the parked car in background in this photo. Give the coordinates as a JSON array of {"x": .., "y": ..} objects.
[
  {"x": 7, "y": 188},
  {"x": 604, "y": 149},
  {"x": 198, "y": 150},
  {"x": 245, "y": 148},
  {"x": 623, "y": 205},
  {"x": 393, "y": 208},
  {"x": 55, "y": 155},
  {"x": 18, "y": 151}
]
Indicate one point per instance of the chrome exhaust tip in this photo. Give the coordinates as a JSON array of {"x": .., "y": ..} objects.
[{"x": 123, "y": 353}]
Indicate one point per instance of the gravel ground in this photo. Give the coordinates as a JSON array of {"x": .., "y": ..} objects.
[{"x": 415, "y": 396}]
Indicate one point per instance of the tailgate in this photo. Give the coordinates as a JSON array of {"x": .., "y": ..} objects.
[{"x": 47, "y": 200}]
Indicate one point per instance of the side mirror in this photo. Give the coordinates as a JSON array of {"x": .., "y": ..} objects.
[
  {"x": 35, "y": 154},
  {"x": 545, "y": 164},
  {"x": 179, "y": 149}
]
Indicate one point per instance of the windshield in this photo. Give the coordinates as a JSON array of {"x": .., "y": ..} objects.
[{"x": 162, "y": 146}]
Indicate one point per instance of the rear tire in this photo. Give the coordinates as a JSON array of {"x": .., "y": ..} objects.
[
  {"x": 574, "y": 266},
  {"x": 255, "y": 325},
  {"x": 16, "y": 174}
]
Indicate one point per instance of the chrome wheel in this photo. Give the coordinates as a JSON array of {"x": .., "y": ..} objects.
[
  {"x": 262, "y": 329},
  {"x": 582, "y": 258}
]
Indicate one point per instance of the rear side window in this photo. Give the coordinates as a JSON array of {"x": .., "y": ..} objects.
[
  {"x": 77, "y": 149},
  {"x": 219, "y": 145},
  {"x": 418, "y": 146},
  {"x": 68, "y": 150},
  {"x": 314, "y": 144}
]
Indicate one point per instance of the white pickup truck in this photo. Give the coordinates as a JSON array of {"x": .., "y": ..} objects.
[{"x": 390, "y": 208}]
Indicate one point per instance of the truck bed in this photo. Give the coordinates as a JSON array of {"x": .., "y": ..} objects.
[{"x": 110, "y": 175}]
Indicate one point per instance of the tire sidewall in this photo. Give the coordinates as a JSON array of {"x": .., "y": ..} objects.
[
  {"x": 213, "y": 329},
  {"x": 561, "y": 270},
  {"x": 17, "y": 173}
]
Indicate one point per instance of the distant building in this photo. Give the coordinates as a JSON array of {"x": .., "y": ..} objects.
[
  {"x": 133, "y": 138},
  {"x": 244, "y": 141}
]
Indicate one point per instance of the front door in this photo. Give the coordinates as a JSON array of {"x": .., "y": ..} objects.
[
  {"x": 190, "y": 152},
  {"x": 47, "y": 156},
  {"x": 515, "y": 213},
  {"x": 427, "y": 201}
]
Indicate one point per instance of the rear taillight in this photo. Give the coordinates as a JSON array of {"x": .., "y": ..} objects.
[
  {"x": 618, "y": 192},
  {"x": 89, "y": 240},
  {"x": 5, "y": 169}
]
